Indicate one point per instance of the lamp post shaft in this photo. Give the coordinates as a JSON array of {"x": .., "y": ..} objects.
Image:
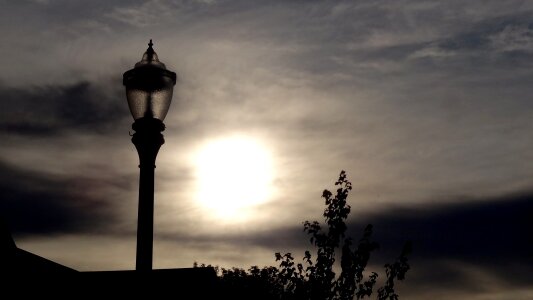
[
  {"x": 145, "y": 225},
  {"x": 147, "y": 139}
]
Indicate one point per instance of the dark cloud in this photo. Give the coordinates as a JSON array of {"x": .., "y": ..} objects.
[
  {"x": 51, "y": 110},
  {"x": 481, "y": 33},
  {"x": 493, "y": 45},
  {"x": 484, "y": 231},
  {"x": 494, "y": 234},
  {"x": 37, "y": 203}
]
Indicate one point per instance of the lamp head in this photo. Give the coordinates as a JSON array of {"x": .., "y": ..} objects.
[{"x": 149, "y": 86}]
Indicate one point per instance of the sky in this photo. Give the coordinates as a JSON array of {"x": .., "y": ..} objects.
[{"x": 425, "y": 104}]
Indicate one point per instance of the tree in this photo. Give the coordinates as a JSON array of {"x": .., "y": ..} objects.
[{"x": 315, "y": 278}]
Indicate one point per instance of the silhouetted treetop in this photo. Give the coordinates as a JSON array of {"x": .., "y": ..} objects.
[{"x": 315, "y": 277}]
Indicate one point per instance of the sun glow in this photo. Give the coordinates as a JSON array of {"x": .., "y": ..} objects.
[{"x": 234, "y": 175}]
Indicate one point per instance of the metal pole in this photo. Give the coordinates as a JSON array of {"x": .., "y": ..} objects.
[{"x": 147, "y": 139}]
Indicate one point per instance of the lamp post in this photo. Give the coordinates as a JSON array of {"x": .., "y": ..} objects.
[{"x": 149, "y": 87}]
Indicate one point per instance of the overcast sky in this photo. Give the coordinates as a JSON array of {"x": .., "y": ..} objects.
[{"x": 426, "y": 104}]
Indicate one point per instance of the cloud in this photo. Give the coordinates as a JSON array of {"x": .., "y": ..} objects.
[
  {"x": 492, "y": 232},
  {"x": 37, "y": 203},
  {"x": 513, "y": 38},
  {"x": 490, "y": 39},
  {"x": 152, "y": 13},
  {"x": 452, "y": 241},
  {"x": 54, "y": 109}
]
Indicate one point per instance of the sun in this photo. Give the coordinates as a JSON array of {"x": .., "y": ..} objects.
[{"x": 234, "y": 175}]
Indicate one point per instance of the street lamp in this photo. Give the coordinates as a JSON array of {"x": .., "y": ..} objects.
[{"x": 149, "y": 87}]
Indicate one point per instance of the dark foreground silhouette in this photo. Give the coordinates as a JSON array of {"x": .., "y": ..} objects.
[
  {"x": 315, "y": 278},
  {"x": 26, "y": 275}
]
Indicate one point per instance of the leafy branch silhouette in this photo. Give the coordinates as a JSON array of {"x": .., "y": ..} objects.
[{"x": 315, "y": 278}]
